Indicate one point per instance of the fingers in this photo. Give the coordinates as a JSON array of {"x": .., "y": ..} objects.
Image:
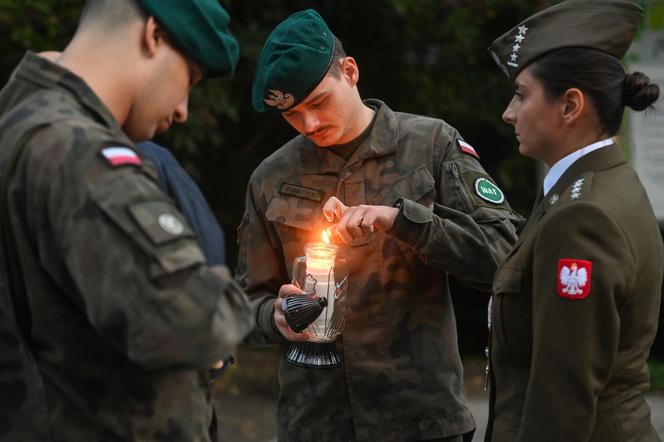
[
  {"x": 289, "y": 289},
  {"x": 334, "y": 208},
  {"x": 361, "y": 221},
  {"x": 279, "y": 318}
]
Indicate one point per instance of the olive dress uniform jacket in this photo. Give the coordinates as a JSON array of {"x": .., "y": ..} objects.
[
  {"x": 113, "y": 319},
  {"x": 569, "y": 347},
  {"x": 401, "y": 378}
]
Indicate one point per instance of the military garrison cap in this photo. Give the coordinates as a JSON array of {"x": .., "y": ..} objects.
[
  {"x": 200, "y": 30},
  {"x": 295, "y": 58},
  {"x": 606, "y": 25}
]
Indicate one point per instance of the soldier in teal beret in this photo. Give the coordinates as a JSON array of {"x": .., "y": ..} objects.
[
  {"x": 575, "y": 304},
  {"x": 411, "y": 203},
  {"x": 109, "y": 316}
]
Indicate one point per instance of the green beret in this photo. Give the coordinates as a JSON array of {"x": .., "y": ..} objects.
[
  {"x": 605, "y": 25},
  {"x": 200, "y": 30},
  {"x": 295, "y": 58}
]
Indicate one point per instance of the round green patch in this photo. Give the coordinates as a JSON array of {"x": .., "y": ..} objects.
[{"x": 488, "y": 191}]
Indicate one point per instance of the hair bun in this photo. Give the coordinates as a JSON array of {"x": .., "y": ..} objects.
[{"x": 638, "y": 93}]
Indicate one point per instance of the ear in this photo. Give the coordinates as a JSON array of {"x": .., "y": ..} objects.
[
  {"x": 350, "y": 70},
  {"x": 573, "y": 105},
  {"x": 153, "y": 36}
]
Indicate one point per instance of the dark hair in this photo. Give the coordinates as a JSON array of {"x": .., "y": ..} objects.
[
  {"x": 338, "y": 54},
  {"x": 601, "y": 77}
]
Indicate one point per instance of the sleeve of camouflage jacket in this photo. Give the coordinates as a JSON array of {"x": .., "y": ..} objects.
[
  {"x": 464, "y": 234},
  {"x": 259, "y": 251},
  {"x": 575, "y": 342},
  {"x": 131, "y": 260}
]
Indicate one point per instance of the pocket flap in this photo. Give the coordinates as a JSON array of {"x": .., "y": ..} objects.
[
  {"x": 415, "y": 186},
  {"x": 508, "y": 280},
  {"x": 294, "y": 212}
]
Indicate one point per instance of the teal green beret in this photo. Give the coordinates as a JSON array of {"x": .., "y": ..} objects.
[
  {"x": 605, "y": 25},
  {"x": 200, "y": 30},
  {"x": 295, "y": 58}
]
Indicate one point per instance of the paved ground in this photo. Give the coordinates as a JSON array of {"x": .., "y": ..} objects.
[{"x": 246, "y": 397}]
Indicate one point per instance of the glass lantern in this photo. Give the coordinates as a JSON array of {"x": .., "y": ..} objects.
[{"x": 323, "y": 275}]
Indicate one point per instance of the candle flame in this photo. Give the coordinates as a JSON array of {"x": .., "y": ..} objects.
[{"x": 326, "y": 236}]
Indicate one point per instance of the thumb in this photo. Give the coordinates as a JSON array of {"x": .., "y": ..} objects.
[{"x": 334, "y": 208}]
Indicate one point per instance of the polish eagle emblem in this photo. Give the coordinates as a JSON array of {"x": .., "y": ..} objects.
[
  {"x": 573, "y": 279},
  {"x": 279, "y": 99}
]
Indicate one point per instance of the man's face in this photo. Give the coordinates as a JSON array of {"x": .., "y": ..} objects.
[
  {"x": 164, "y": 98},
  {"x": 327, "y": 116}
]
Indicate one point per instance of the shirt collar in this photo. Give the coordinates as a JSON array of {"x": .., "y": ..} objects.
[{"x": 563, "y": 164}]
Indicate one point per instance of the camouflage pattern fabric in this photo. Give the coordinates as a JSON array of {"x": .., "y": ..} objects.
[
  {"x": 125, "y": 318},
  {"x": 402, "y": 375}
]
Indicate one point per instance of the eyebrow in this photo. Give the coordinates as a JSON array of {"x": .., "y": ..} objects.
[{"x": 316, "y": 97}]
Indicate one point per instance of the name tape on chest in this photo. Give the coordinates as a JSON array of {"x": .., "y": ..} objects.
[
  {"x": 573, "y": 281},
  {"x": 467, "y": 148},
  {"x": 117, "y": 156},
  {"x": 301, "y": 192}
]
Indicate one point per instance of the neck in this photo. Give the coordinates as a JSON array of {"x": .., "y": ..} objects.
[
  {"x": 105, "y": 70},
  {"x": 362, "y": 120},
  {"x": 573, "y": 142}
]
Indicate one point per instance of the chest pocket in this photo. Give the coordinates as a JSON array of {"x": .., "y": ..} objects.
[
  {"x": 419, "y": 186},
  {"x": 511, "y": 314},
  {"x": 296, "y": 220}
]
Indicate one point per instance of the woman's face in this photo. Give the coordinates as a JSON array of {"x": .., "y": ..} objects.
[{"x": 536, "y": 118}]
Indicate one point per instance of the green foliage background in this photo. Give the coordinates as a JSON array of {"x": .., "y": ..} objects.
[{"x": 421, "y": 56}]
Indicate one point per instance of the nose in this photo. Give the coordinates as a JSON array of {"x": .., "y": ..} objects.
[
  {"x": 181, "y": 112},
  {"x": 310, "y": 122},
  {"x": 509, "y": 115}
]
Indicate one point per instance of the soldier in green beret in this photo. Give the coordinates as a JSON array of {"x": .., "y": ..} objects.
[
  {"x": 109, "y": 317},
  {"x": 401, "y": 375},
  {"x": 575, "y": 305}
]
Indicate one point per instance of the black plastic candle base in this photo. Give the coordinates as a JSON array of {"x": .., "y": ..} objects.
[{"x": 314, "y": 354}]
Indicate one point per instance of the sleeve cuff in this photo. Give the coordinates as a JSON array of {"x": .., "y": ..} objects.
[
  {"x": 410, "y": 222},
  {"x": 265, "y": 320}
]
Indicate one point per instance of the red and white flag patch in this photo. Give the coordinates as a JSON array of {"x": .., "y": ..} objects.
[
  {"x": 467, "y": 148},
  {"x": 574, "y": 278},
  {"x": 121, "y": 156}
]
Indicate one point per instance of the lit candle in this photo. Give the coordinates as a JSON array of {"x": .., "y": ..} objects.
[{"x": 320, "y": 281}]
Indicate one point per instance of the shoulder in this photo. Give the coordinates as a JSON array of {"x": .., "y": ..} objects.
[
  {"x": 425, "y": 127},
  {"x": 282, "y": 163}
]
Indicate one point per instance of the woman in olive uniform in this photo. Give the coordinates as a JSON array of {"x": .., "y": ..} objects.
[{"x": 575, "y": 305}]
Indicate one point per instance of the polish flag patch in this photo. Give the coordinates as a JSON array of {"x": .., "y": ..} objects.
[
  {"x": 467, "y": 148},
  {"x": 574, "y": 278},
  {"x": 121, "y": 156}
]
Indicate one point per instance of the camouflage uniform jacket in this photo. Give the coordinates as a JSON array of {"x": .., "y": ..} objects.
[
  {"x": 123, "y": 317},
  {"x": 402, "y": 375}
]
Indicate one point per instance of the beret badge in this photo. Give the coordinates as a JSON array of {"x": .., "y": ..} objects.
[{"x": 279, "y": 99}]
